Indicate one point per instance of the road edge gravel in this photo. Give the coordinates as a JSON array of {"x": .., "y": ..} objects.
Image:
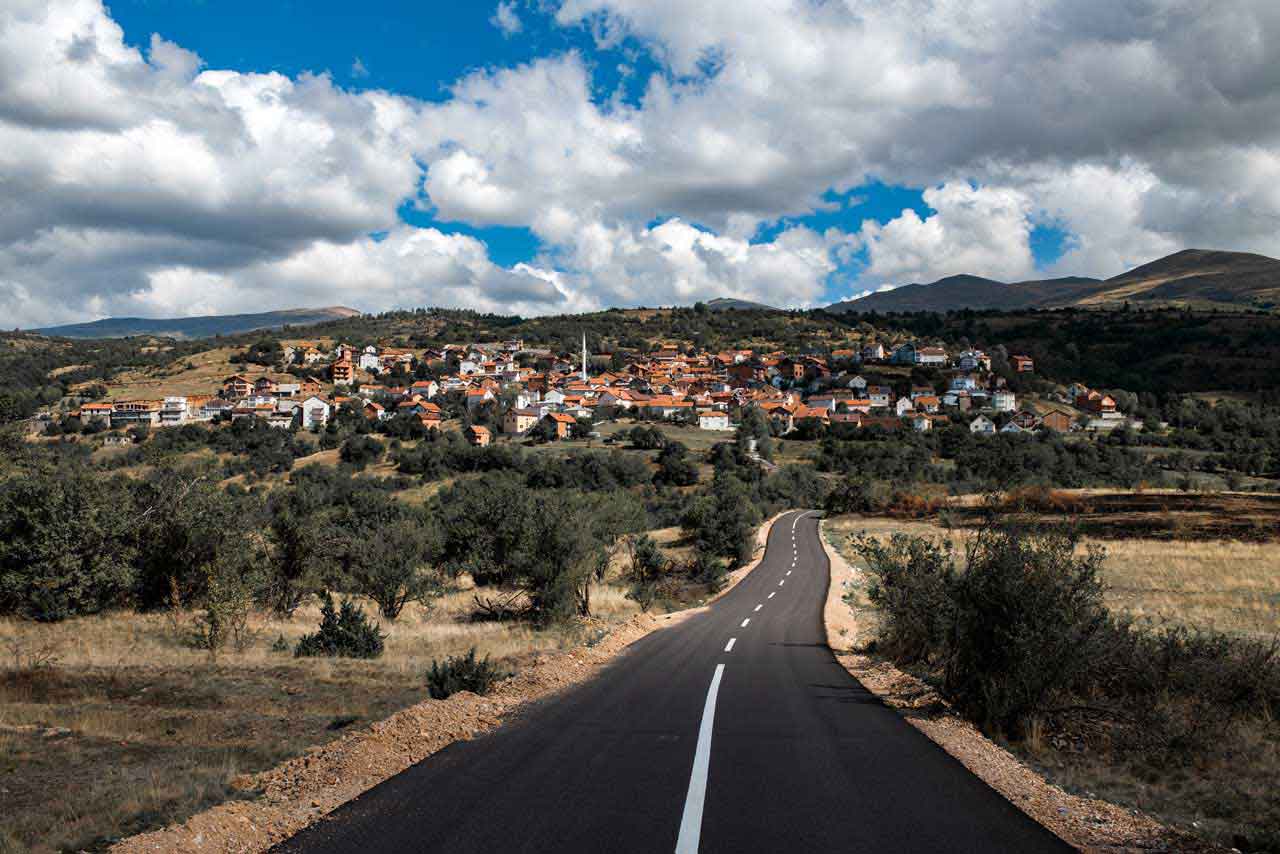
[
  {"x": 298, "y": 793},
  {"x": 1087, "y": 824}
]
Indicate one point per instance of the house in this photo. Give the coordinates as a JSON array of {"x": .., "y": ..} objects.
[
  {"x": 478, "y": 397},
  {"x": 236, "y": 386},
  {"x": 375, "y": 411},
  {"x": 560, "y": 422},
  {"x": 857, "y": 384},
  {"x": 342, "y": 372},
  {"x": 369, "y": 360},
  {"x": 713, "y": 420},
  {"x": 215, "y": 409},
  {"x": 927, "y": 403},
  {"x": 921, "y": 423},
  {"x": 427, "y": 388},
  {"x": 983, "y": 426},
  {"x": 1022, "y": 364},
  {"x": 288, "y": 389},
  {"x": 1097, "y": 403},
  {"x": 126, "y": 413},
  {"x": 972, "y": 360},
  {"x": 100, "y": 413},
  {"x": 478, "y": 436},
  {"x": 517, "y": 422},
  {"x": 873, "y": 353},
  {"x": 905, "y": 354},
  {"x": 173, "y": 411},
  {"x": 1027, "y": 420},
  {"x": 315, "y": 413},
  {"x": 880, "y": 396},
  {"x": 1004, "y": 401},
  {"x": 963, "y": 382},
  {"x": 1057, "y": 420},
  {"x": 311, "y": 356},
  {"x": 935, "y": 356},
  {"x": 264, "y": 386},
  {"x": 1013, "y": 427},
  {"x": 903, "y": 406}
]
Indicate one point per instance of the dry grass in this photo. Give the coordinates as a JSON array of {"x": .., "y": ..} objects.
[
  {"x": 115, "y": 723},
  {"x": 1227, "y": 585}
]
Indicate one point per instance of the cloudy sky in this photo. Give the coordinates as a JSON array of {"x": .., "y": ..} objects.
[{"x": 176, "y": 157}]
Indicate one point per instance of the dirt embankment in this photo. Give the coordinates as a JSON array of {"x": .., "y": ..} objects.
[
  {"x": 303, "y": 790},
  {"x": 1091, "y": 825}
]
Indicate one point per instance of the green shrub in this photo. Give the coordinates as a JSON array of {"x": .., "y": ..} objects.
[
  {"x": 346, "y": 632},
  {"x": 463, "y": 673},
  {"x": 911, "y": 580},
  {"x": 1025, "y": 611}
]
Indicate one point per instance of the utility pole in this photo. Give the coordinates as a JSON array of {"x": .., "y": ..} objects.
[{"x": 584, "y": 357}]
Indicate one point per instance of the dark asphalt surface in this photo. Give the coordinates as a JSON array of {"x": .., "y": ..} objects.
[{"x": 802, "y": 757}]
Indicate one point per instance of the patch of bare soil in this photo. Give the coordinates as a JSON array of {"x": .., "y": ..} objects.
[
  {"x": 1250, "y": 517},
  {"x": 1089, "y": 824}
]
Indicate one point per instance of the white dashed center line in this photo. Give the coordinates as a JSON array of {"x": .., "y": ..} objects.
[
  {"x": 729, "y": 646},
  {"x": 691, "y": 821},
  {"x": 758, "y": 607},
  {"x": 744, "y": 622},
  {"x": 782, "y": 582},
  {"x": 774, "y": 593},
  {"x": 788, "y": 572}
]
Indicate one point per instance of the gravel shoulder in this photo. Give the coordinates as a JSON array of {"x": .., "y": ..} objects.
[
  {"x": 303, "y": 790},
  {"x": 1090, "y": 825}
]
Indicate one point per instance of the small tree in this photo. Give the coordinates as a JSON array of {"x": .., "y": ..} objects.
[
  {"x": 344, "y": 632},
  {"x": 390, "y": 563}
]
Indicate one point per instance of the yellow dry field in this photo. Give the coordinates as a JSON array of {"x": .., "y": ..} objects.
[
  {"x": 1223, "y": 584},
  {"x": 116, "y": 723}
]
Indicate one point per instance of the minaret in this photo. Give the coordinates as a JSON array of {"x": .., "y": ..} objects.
[{"x": 584, "y": 357}]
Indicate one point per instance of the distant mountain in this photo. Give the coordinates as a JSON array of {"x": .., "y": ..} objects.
[
  {"x": 1193, "y": 275},
  {"x": 198, "y": 327},
  {"x": 726, "y": 303}
]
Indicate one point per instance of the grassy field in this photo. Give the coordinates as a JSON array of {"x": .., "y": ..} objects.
[{"x": 115, "y": 723}]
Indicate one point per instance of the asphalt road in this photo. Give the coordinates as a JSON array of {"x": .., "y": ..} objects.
[{"x": 733, "y": 731}]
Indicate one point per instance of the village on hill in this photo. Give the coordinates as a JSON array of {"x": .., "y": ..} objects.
[{"x": 507, "y": 389}]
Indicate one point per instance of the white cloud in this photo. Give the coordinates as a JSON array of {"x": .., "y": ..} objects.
[
  {"x": 1141, "y": 127},
  {"x": 358, "y": 70},
  {"x": 982, "y": 231},
  {"x": 506, "y": 19}
]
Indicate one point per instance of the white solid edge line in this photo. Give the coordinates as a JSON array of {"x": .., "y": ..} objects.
[
  {"x": 691, "y": 821},
  {"x": 729, "y": 646}
]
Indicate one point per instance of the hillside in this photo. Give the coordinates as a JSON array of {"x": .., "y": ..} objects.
[
  {"x": 198, "y": 327},
  {"x": 727, "y": 303},
  {"x": 1192, "y": 276}
]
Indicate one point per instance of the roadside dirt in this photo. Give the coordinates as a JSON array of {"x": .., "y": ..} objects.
[
  {"x": 1088, "y": 824},
  {"x": 301, "y": 791}
]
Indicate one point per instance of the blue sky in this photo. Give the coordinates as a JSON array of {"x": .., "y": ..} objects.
[
  {"x": 420, "y": 49},
  {"x": 180, "y": 157}
]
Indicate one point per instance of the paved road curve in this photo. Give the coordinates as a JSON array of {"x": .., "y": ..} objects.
[{"x": 733, "y": 731}]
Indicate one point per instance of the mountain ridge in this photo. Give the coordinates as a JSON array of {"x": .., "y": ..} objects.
[
  {"x": 202, "y": 326},
  {"x": 1189, "y": 276}
]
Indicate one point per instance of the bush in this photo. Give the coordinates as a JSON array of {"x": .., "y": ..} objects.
[
  {"x": 346, "y": 633},
  {"x": 1026, "y": 609},
  {"x": 462, "y": 673},
  {"x": 911, "y": 585}
]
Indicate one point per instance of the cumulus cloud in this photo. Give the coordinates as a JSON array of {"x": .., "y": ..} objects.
[
  {"x": 1139, "y": 126},
  {"x": 983, "y": 231}
]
